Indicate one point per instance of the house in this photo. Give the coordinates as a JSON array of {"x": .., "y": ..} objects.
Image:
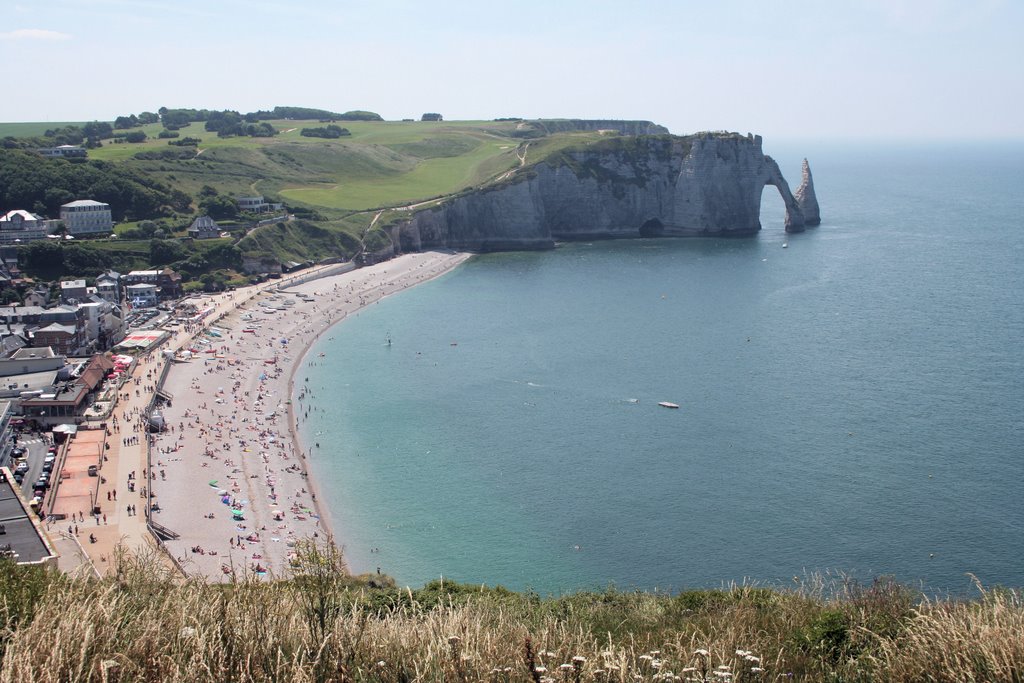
[
  {"x": 37, "y": 297},
  {"x": 64, "y": 339},
  {"x": 203, "y": 228},
  {"x": 22, "y": 226},
  {"x": 167, "y": 281},
  {"x": 142, "y": 295},
  {"x": 104, "y": 323},
  {"x": 68, "y": 335},
  {"x": 85, "y": 217},
  {"x": 108, "y": 286},
  {"x": 72, "y": 290},
  {"x": 63, "y": 152},
  {"x": 257, "y": 205}
]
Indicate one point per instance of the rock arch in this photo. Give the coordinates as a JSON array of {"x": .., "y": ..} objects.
[{"x": 794, "y": 214}]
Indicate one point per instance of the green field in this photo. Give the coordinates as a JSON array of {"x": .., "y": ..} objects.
[
  {"x": 381, "y": 164},
  {"x": 32, "y": 129}
]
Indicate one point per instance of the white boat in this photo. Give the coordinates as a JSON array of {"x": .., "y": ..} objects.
[{"x": 666, "y": 404}]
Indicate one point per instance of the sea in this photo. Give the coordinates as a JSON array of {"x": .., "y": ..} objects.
[{"x": 851, "y": 399}]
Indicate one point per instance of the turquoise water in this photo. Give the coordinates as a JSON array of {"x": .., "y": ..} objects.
[{"x": 852, "y": 402}]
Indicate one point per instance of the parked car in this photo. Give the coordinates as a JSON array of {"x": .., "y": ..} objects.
[
  {"x": 19, "y": 477},
  {"x": 22, "y": 468}
]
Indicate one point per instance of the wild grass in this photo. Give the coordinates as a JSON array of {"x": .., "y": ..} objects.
[{"x": 323, "y": 625}]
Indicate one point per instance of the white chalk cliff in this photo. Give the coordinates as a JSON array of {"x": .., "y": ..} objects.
[{"x": 708, "y": 184}]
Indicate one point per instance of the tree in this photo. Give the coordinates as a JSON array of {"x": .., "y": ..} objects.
[
  {"x": 148, "y": 117},
  {"x": 147, "y": 228},
  {"x": 162, "y": 252},
  {"x": 100, "y": 130},
  {"x": 123, "y": 122},
  {"x": 135, "y": 136},
  {"x": 219, "y": 207}
]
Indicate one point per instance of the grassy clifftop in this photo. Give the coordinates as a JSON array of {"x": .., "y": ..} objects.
[
  {"x": 379, "y": 164},
  {"x": 321, "y": 625}
]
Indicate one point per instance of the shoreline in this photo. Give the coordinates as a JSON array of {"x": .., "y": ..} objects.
[
  {"x": 312, "y": 482},
  {"x": 249, "y": 373}
]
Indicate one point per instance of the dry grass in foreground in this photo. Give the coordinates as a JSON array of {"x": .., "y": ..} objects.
[{"x": 321, "y": 625}]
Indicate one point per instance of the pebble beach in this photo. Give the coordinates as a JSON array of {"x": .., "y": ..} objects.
[{"x": 230, "y": 475}]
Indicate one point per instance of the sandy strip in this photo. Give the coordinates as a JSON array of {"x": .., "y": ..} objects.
[{"x": 232, "y": 444}]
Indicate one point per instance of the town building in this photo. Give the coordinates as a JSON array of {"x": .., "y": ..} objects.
[
  {"x": 28, "y": 361},
  {"x": 104, "y": 322},
  {"x": 167, "y": 281},
  {"x": 142, "y": 295},
  {"x": 108, "y": 286},
  {"x": 203, "y": 228},
  {"x": 65, "y": 339},
  {"x": 23, "y": 226},
  {"x": 66, "y": 398},
  {"x": 85, "y": 217},
  {"x": 37, "y": 297},
  {"x": 62, "y": 327},
  {"x": 72, "y": 291}
]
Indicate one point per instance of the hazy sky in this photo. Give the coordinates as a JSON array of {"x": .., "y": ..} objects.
[{"x": 786, "y": 68}]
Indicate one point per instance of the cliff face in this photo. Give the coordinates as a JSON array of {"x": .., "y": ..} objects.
[{"x": 707, "y": 184}]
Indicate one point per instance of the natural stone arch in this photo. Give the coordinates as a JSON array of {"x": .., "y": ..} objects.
[
  {"x": 794, "y": 215},
  {"x": 652, "y": 228}
]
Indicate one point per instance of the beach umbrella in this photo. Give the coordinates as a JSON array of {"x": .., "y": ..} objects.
[
  {"x": 226, "y": 500},
  {"x": 213, "y": 483}
]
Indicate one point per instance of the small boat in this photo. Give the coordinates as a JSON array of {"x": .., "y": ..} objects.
[{"x": 666, "y": 404}]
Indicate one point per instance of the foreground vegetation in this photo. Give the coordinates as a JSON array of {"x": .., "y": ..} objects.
[{"x": 322, "y": 625}]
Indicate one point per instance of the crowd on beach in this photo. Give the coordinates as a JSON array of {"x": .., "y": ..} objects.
[{"x": 232, "y": 475}]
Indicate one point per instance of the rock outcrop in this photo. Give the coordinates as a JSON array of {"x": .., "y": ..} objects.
[
  {"x": 707, "y": 184},
  {"x": 806, "y": 199}
]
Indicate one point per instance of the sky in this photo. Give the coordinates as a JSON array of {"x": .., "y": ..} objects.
[{"x": 788, "y": 69}]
